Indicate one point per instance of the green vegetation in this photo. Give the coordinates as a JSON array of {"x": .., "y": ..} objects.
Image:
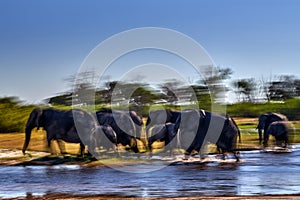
[
  {"x": 290, "y": 108},
  {"x": 13, "y": 115}
]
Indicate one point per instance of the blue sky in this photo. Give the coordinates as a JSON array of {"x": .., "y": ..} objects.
[{"x": 44, "y": 42}]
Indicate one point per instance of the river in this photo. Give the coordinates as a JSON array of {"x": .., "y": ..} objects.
[{"x": 259, "y": 173}]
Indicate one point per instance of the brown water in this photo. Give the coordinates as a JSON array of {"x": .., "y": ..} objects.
[{"x": 258, "y": 173}]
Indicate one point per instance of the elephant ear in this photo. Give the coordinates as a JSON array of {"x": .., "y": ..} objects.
[
  {"x": 261, "y": 121},
  {"x": 39, "y": 120},
  {"x": 31, "y": 122}
]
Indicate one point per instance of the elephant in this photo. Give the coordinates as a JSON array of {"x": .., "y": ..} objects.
[
  {"x": 191, "y": 128},
  {"x": 60, "y": 125},
  {"x": 137, "y": 119},
  {"x": 227, "y": 140},
  {"x": 185, "y": 119},
  {"x": 161, "y": 117},
  {"x": 122, "y": 125},
  {"x": 104, "y": 136},
  {"x": 164, "y": 133},
  {"x": 265, "y": 120},
  {"x": 281, "y": 130}
]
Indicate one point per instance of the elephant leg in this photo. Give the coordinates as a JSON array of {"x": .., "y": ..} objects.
[
  {"x": 260, "y": 135},
  {"x": 133, "y": 145},
  {"x": 221, "y": 153},
  {"x": 286, "y": 142},
  {"x": 49, "y": 144},
  {"x": 236, "y": 155},
  {"x": 278, "y": 142},
  {"x": 50, "y": 147},
  {"x": 62, "y": 147},
  {"x": 82, "y": 148},
  {"x": 189, "y": 150},
  {"x": 50, "y": 137},
  {"x": 116, "y": 149},
  {"x": 282, "y": 143},
  {"x": 201, "y": 155},
  {"x": 266, "y": 139}
]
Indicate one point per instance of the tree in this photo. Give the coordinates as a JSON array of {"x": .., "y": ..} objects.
[
  {"x": 285, "y": 87},
  {"x": 245, "y": 89},
  {"x": 214, "y": 81},
  {"x": 264, "y": 88},
  {"x": 64, "y": 99},
  {"x": 170, "y": 91}
]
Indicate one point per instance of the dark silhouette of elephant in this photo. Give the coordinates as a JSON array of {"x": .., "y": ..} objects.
[
  {"x": 265, "y": 120},
  {"x": 60, "y": 125},
  {"x": 163, "y": 133},
  {"x": 160, "y": 117},
  {"x": 123, "y": 126},
  {"x": 217, "y": 129},
  {"x": 281, "y": 130},
  {"x": 137, "y": 119},
  {"x": 194, "y": 128},
  {"x": 103, "y": 137}
]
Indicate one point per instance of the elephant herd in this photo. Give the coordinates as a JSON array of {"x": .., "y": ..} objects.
[
  {"x": 189, "y": 129},
  {"x": 275, "y": 124}
]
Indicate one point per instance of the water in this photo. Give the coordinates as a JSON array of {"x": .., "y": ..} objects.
[{"x": 257, "y": 174}]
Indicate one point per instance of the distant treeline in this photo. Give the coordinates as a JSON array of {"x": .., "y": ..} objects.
[{"x": 14, "y": 114}]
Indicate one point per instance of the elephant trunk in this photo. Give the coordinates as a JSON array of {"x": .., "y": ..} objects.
[
  {"x": 260, "y": 135},
  {"x": 33, "y": 121},
  {"x": 261, "y": 125},
  {"x": 149, "y": 145},
  {"x": 266, "y": 138},
  {"x": 27, "y": 138},
  {"x": 134, "y": 146}
]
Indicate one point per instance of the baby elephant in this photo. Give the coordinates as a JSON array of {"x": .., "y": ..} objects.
[
  {"x": 163, "y": 133},
  {"x": 281, "y": 130},
  {"x": 105, "y": 137}
]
